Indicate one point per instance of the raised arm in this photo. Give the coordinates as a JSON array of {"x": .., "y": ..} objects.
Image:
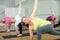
[
  {"x": 33, "y": 15},
  {"x": 19, "y": 9},
  {"x": 52, "y": 12}
]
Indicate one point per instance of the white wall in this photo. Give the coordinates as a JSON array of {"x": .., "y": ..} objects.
[
  {"x": 2, "y": 11},
  {"x": 5, "y": 4},
  {"x": 12, "y": 12},
  {"x": 59, "y": 11},
  {"x": 27, "y": 7},
  {"x": 43, "y": 8}
]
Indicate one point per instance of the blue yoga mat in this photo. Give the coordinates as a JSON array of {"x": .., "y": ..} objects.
[{"x": 14, "y": 36}]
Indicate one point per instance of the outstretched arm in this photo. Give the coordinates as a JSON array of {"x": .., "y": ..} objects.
[
  {"x": 19, "y": 10},
  {"x": 18, "y": 14},
  {"x": 33, "y": 15},
  {"x": 53, "y": 16},
  {"x": 52, "y": 12}
]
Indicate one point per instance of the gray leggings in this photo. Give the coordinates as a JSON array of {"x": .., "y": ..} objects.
[{"x": 46, "y": 29}]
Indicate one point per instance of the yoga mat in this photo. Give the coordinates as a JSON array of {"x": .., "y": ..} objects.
[
  {"x": 57, "y": 30},
  {"x": 2, "y": 31},
  {"x": 57, "y": 39},
  {"x": 5, "y": 31},
  {"x": 14, "y": 36},
  {"x": 12, "y": 31}
]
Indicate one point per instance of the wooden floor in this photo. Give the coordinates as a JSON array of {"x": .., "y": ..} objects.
[{"x": 44, "y": 36}]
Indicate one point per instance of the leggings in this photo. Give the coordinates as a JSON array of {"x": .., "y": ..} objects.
[
  {"x": 46, "y": 29},
  {"x": 56, "y": 25},
  {"x": 8, "y": 25},
  {"x": 20, "y": 28}
]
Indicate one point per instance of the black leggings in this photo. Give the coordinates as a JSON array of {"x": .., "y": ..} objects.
[
  {"x": 20, "y": 28},
  {"x": 57, "y": 24}
]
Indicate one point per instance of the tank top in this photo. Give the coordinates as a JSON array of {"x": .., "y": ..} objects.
[{"x": 39, "y": 23}]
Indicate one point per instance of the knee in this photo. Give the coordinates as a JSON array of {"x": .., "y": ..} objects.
[{"x": 39, "y": 32}]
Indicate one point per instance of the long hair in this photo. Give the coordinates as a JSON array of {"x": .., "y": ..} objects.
[
  {"x": 22, "y": 20},
  {"x": 22, "y": 23}
]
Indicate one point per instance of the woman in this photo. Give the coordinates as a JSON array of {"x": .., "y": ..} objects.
[
  {"x": 20, "y": 26},
  {"x": 57, "y": 25},
  {"x": 8, "y": 23},
  {"x": 19, "y": 22},
  {"x": 52, "y": 18},
  {"x": 18, "y": 18},
  {"x": 39, "y": 25}
]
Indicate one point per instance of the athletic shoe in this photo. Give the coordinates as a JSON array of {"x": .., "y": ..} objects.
[{"x": 19, "y": 35}]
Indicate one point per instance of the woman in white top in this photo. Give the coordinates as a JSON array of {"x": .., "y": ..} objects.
[
  {"x": 18, "y": 18},
  {"x": 19, "y": 22}
]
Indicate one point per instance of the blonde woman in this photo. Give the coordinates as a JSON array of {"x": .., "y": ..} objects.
[{"x": 39, "y": 25}]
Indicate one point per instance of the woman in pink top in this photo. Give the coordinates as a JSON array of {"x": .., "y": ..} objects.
[{"x": 8, "y": 22}]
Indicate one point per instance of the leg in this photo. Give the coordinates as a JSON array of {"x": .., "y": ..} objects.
[
  {"x": 42, "y": 30},
  {"x": 5, "y": 28},
  {"x": 56, "y": 25},
  {"x": 39, "y": 35},
  {"x": 8, "y": 27},
  {"x": 54, "y": 32},
  {"x": 20, "y": 29},
  {"x": 16, "y": 27}
]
